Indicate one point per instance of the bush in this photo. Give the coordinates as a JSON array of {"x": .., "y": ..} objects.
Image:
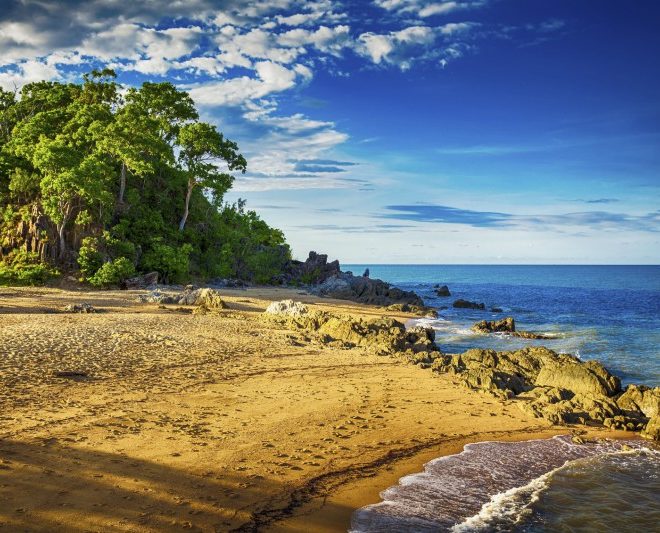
[
  {"x": 25, "y": 268},
  {"x": 113, "y": 273},
  {"x": 90, "y": 258},
  {"x": 171, "y": 263}
]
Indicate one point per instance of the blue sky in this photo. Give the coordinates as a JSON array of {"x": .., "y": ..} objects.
[{"x": 401, "y": 131}]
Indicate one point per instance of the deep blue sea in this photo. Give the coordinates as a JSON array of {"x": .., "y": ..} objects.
[{"x": 608, "y": 313}]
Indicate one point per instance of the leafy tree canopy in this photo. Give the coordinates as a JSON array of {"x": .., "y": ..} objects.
[{"x": 110, "y": 182}]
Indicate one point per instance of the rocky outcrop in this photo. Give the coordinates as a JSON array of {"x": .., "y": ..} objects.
[
  {"x": 442, "y": 291},
  {"x": 652, "y": 429},
  {"x": 383, "y": 336},
  {"x": 315, "y": 269},
  {"x": 206, "y": 298},
  {"x": 424, "y": 311},
  {"x": 505, "y": 325},
  {"x": 557, "y": 387},
  {"x": 464, "y": 304},
  {"x": 346, "y": 286}
]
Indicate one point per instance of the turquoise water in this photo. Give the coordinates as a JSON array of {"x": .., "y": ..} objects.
[{"x": 609, "y": 313}]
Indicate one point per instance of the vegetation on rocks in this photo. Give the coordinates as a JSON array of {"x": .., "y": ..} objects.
[{"x": 110, "y": 181}]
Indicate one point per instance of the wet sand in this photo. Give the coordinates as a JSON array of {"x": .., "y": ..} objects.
[{"x": 142, "y": 419}]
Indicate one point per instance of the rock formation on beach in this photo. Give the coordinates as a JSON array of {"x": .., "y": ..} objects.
[
  {"x": 557, "y": 387},
  {"x": 442, "y": 291},
  {"x": 346, "y": 286},
  {"x": 383, "y": 336}
]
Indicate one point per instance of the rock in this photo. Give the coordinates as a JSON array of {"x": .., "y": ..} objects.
[
  {"x": 506, "y": 325},
  {"x": 652, "y": 429},
  {"x": 366, "y": 273},
  {"x": 383, "y": 336},
  {"x": 140, "y": 282},
  {"x": 640, "y": 398},
  {"x": 442, "y": 291},
  {"x": 345, "y": 286},
  {"x": 158, "y": 297},
  {"x": 464, "y": 304},
  {"x": 589, "y": 378},
  {"x": 315, "y": 269},
  {"x": 287, "y": 308},
  {"x": 414, "y": 309},
  {"x": 557, "y": 387},
  {"x": 486, "y": 326},
  {"x": 83, "y": 308},
  {"x": 496, "y": 310},
  {"x": 208, "y": 298}
]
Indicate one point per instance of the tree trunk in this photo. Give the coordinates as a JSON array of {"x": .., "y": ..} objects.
[
  {"x": 182, "y": 224},
  {"x": 122, "y": 183},
  {"x": 60, "y": 232}
]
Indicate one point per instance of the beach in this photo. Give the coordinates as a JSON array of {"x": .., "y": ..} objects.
[{"x": 148, "y": 418}]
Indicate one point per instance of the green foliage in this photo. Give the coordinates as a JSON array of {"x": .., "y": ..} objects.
[
  {"x": 24, "y": 268},
  {"x": 171, "y": 263},
  {"x": 105, "y": 178},
  {"x": 113, "y": 273}
]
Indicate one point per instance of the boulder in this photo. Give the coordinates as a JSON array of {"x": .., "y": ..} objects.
[
  {"x": 652, "y": 429},
  {"x": 345, "y": 286},
  {"x": 287, "y": 308},
  {"x": 315, "y": 269},
  {"x": 464, "y": 304},
  {"x": 442, "y": 291},
  {"x": 640, "y": 398},
  {"x": 414, "y": 309},
  {"x": 589, "y": 378},
  {"x": 486, "y": 326},
  {"x": 82, "y": 308},
  {"x": 209, "y": 298}
]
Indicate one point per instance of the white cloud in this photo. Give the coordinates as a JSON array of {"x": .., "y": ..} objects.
[{"x": 27, "y": 72}]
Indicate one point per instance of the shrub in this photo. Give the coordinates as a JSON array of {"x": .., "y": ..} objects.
[
  {"x": 171, "y": 263},
  {"x": 113, "y": 273},
  {"x": 25, "y": 268}
]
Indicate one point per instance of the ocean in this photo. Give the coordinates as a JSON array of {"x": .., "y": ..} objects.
[{"x": 608, "y": 313}]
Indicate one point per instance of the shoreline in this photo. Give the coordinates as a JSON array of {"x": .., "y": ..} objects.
[
  {"x": 331, "y": 512},
  {"x": 224, "y": 421}
]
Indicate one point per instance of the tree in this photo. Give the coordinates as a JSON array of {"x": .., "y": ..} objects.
[{"x": 201, "y": 146}]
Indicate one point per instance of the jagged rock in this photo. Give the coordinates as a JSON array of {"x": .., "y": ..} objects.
[
  {"x": 140, "y": 282},
  {"x": 382, "y": 336},
  {"x": 496, "y": 310},
  {"x": 315, "y": 269},
  {"x": 366, "y": 273},
  {"x": 506, "y": 325},
  {"x": 442, "y": 291},
  {"x": 640, "y": 398},
  {"x": 464, "y": 304},
  {"x": 83, "y": 308},
  {"x": 652, "y": 429},
  {"x": 208, "y": 298},
  {"x": 287, "y": 308},
  {"x": 557, "y": 387},
  {"x": 158, "y": 297},
  {"x": 414, "y": 309},
  {"x": 589, "y": 377},
  {"x": 486, "y": 326},
  {"x": 345, "y": 286}
]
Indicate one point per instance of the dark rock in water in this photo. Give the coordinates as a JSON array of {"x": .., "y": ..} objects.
[
  {"x": 345, "y": 286},
  {"x": 140, "y": 282},
  {"x": 505, "y": 325},
  {"x": 464, "y": 304},
  {"x": 496, "y": 310},
  {"x": 486, "y": 326},
  {"x": 366, "y": 273},
  {"x": 442, "y": 291}
]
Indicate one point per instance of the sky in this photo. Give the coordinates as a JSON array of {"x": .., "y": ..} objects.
[{"x": 400, "y": 131}]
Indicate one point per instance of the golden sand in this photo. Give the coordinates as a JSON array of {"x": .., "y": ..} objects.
[{"x": 148, "y": 419}]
